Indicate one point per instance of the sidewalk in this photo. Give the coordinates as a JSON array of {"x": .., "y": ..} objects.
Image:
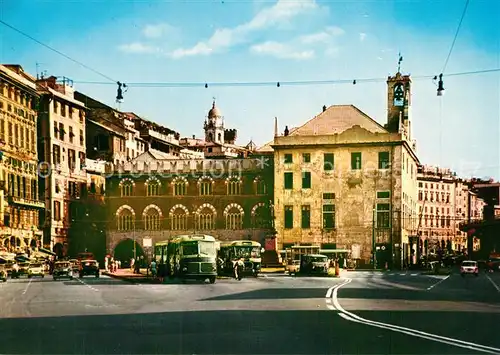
[{"x": 128, "y": 275}]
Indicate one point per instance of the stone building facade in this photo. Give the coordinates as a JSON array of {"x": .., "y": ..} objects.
[
  {"x": 62, "y": 149},
  {"x": 228, "y": 198},
  {"x": 344, "y": 179},
  {"x": 20, "y": 200}
]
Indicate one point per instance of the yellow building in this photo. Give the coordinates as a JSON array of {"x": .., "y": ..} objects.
[
  {"x": 20, "y": 202},
  {"x": 344, "y": 181}
]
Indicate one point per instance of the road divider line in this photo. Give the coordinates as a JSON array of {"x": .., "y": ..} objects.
[
  {"x": 27, "y": 286},
  {"x": 437, "y": 283},
  {"x": 493, "y": 283},
  {"x": 86, "y": 284},
  {"x": 412, "y": 332}
]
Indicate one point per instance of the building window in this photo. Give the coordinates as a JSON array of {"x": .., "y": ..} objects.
[
  {"x": 306, "y": 157},
  {"x": 57, "y": 211},
  {"x": 383, "y": 194},
  {"x": 328, "y": 162},
  {"x": 152, "y": 220},
  {"x": 126, "y": 187},
  {"x": 383, "y": 215},
  {"x": 205, "y": 186},
  {"x": 260, "y": 186},
  {"x": 306, "y": 216},
  {"x": 61, "y": 131},
  {"x": 288, "y": 159},
  {"x": 125, "y": 220},
  {"x": 153, "y": 187},
  {"x": 288, "y": 177},
  {"x": 306, "y": 179},
  {"x": 178, "y": 219},
  {"x": 180, "y": 186},
  {"x": 205, "y": 219},
  {"x": 234, "y": 218},
  {"x": 383, "y": 160},
  {"x": 233, "y": 186},
  {"x": 288, "y": 217},
  {"x": 356, "y": 161},
  {"x": 328, "y": 216}
]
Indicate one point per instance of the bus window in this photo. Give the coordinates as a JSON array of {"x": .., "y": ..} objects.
[
  {"x": 207, "y": 248},
  {"x": 190, "y": 248}
]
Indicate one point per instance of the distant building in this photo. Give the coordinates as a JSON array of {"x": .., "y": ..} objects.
[
  {"x": 21, "y": 201},
  {"x": 219, "y": 142}
]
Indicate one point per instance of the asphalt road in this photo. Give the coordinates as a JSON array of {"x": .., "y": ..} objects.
[{"x": 369, "y": 313}]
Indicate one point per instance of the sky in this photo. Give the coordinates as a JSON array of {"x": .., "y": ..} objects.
[{"x": 208, "y": 41}]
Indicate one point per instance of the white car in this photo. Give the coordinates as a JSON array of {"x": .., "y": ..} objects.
[
  {"x": 36, "y": 269},
  {"x": 469, "y": 267}
]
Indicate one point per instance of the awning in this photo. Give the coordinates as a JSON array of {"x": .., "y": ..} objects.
[{"x": 46, "y": 251}]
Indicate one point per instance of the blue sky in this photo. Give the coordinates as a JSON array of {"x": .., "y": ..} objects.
[{"x": 231, "y": 41}]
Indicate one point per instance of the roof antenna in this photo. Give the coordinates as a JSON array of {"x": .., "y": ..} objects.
[{"x": 399, "y": 62}]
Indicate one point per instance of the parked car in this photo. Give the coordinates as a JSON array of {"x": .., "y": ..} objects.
[
  {"x": 20, "y": 269},
  {"x": 89, "y": 267},
  {"x": 62, "y": 269},
  {"x": 469, "y": 267},
  {"x": 36, "y": 269}
]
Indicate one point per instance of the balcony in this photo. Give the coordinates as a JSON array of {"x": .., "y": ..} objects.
[{"x": 26, "y": 202}]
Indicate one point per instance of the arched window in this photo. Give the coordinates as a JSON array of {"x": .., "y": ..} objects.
[
  {"x": 126, "y": 187},
  {"x": 205, "y": 185},
  {"x": 180, "y": 186},
  {"x": 234, "y": 216},
  {"x": 233, "y": 185},
  {"x": 261, "y": 216},
  {"x": 125, "y": 217},
  {"x": 179, "y": 217},
  {"x": 205, "y": 217},
  {"x": 260, "y": 186},
  {"x": 152, "y": 186},
  {"x": 152, "y": 217}
]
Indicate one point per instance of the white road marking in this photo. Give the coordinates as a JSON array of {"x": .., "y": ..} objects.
[
  {"x": 414, "y": 274},
  {"x": 437, "y": 283},
  {"x": 86, "y": 284},
  {"x": 27, "y": 286},
  {"x": 493, "y": 283},
  {"x": 412, "y": 332}
]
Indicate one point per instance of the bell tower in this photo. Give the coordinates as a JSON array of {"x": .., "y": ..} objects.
[
  {"x": 399, "y": 103},
  {"x": 214, "y": 126}
]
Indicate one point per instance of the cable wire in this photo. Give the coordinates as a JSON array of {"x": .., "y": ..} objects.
[
  {"x": 57, "y": 51},
  {"x": 456, "y": 36},
  {"x": 275, "y": 83}
]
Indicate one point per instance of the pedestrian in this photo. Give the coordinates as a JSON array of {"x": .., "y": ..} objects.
[
  {"x": 132, "y": 262},
  {"x": 153, "y": 269}
]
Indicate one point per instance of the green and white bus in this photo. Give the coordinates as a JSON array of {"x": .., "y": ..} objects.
[
  {"x": 246, "y": 250},
  {"x": 192, "y": 256}
]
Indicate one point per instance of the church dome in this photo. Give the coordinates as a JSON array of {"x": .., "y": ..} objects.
[{"x": 214, "y": 111}]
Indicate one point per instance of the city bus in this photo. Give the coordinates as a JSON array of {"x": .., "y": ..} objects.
[
  {"x": 246, "y": 250},
  {"x": 191, "y": 256}
]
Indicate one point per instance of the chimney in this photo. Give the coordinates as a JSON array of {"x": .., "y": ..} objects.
[
  {"x": 286, "y": 131},
  {"x": 324, "y": 108},
  {"x": 276, "y": 126},
  {"x": 194, "y": 137}
]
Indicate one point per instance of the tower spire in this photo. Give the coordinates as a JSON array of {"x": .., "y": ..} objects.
[
  {"x": 213, "y": 102},
  {"x": 399, "y": 62}
]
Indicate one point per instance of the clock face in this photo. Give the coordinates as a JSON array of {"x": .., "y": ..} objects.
[{"x": 399, "y": 95}]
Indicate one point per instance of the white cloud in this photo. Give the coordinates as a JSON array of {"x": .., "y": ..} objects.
[
  {"x": 281, "y": 12},
  {"x": 157, "y": 30},
  {"x": 323, "y": 36},
  {"x": 138, "y": 47},
  {"x": 362, "y": 36},
  {"x": 281, "y": 50}
]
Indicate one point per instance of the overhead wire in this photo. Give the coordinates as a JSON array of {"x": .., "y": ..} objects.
[
  {"x": 278, "y": 83},
  {"x": 456, "y": 36},
  {"x": 57, "y": 51}
]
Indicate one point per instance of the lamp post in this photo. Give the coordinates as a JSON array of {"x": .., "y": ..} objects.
[{"x": 373, "y": 240}]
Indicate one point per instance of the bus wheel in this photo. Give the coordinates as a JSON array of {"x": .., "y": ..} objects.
[{"x": 212, "y": 279}]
